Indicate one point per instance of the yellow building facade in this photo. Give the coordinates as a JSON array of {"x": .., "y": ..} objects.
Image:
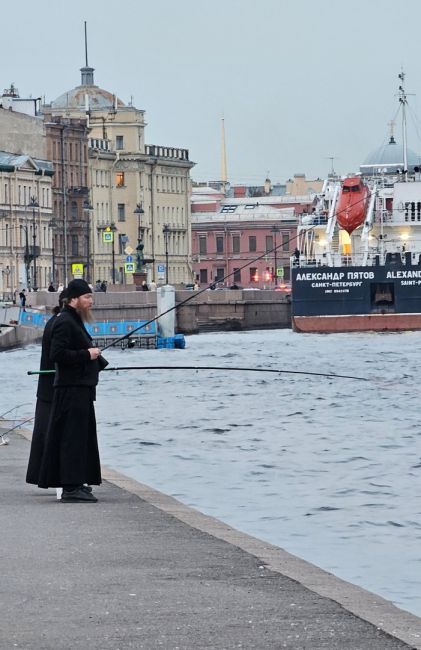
[{"x": 125, "y": 175}]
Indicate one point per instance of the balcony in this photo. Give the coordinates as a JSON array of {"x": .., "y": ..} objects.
[
  {"x": 77, "y": 190},
  {"x": 172, "y": 153}
]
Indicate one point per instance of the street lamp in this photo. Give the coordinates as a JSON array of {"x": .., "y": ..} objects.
[
  {"x": 275, "y": 230},
  {"x": 33, "y": 203},
  {"x": 166, "y": 230},
  {"x": 27, "y": 257},
  {"x": 88, "y": 208},
  {"x": 140, "y": 259},
  {"x": 52, "y": 224}
]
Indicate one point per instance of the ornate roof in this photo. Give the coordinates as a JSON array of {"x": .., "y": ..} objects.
[
  {"x": 389, "y": 158},
  {"x": 98, "y": 98}
]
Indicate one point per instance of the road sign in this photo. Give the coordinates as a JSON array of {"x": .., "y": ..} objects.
[
  {"x": 107, "y": 237},
  {"x": 128, "y": 250},
  {"x": 129, "y": 258},
  {"x": 161, "y": 268},
  {"x": 280, "y": 272},
  {"x": 129, "y": 267},
  {"x": 77, "y": 271}
]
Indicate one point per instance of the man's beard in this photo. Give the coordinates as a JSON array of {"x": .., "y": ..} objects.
[{"x": 85, "y": 314}]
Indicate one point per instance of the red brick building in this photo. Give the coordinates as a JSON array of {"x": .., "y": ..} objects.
[{"x": 228, "y": 234}]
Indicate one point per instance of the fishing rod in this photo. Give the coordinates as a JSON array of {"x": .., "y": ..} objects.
[
  {"x": 229, "y": 368},
  {"x": 15, "y": 407},
  {"x": 17, "y": 426},
  {"x": 195, "y": 294}
]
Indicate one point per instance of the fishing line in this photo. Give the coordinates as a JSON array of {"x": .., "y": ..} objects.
[
  {"x": 15, "y": 407},
  {"x": 223, "y": 368},
  {"x": 195, "y": 294},
  {"x": 17, "y": 426}
]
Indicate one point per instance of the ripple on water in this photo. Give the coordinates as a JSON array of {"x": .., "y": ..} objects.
[{"x": 315, "y": 443}]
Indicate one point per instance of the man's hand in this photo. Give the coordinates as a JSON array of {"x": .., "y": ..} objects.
[{"x": 94, "y": 352}]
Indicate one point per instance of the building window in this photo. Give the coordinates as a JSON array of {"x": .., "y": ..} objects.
[
  {"x": 252, "y": 244},
  {"x": 202, "y": 245},
  {"x": 237, "y": 275},
  {"x": 219, "y": 244},
  {"x": 121, "y": 212},
  {"x": 285, "y": 241},
  {"x": 236, "y": 243},
  {"x": 254, "y": 277},
  {"x": 75, "y": 245},
  {"x": 219, "y": 275},
  {"x": 269, "y": 243},
  {"x": 73, "y": 210},
  {"x": 122, "y": 242},
  {"x": 203, "y": 276},
  {"x": 119, "y": 179},
  {"x": 119, "y": 142}
]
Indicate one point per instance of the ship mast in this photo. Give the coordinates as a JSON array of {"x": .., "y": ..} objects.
[{"x": 403, "y": 102}]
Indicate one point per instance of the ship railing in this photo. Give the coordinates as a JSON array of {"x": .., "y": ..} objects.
[
  {"x": 312, "y": 220},
  {"x": 337, "y": 260}
]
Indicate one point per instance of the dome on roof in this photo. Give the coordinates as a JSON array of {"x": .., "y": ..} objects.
[
  {"x": 99, "y": 98},
  {"x": 388, "y": 159}
]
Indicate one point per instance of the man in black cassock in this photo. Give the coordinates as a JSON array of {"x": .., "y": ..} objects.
[
  {"x": 44, "y": 399},
  {"x": 71, "y": 457}
]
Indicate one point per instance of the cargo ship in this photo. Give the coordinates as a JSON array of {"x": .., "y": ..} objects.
[{"x": 357, "y": 265}]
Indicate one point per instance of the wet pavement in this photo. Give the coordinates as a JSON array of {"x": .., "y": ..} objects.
[{"x": 140, "y": 570}]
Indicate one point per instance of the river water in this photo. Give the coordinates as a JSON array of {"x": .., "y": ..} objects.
[{"x": 329, "y": 469}]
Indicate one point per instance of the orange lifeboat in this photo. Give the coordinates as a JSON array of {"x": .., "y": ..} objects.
[{"x": 352, "y": 204}]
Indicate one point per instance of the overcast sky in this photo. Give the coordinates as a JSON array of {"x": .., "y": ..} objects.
[{"x": 297, "y": 82}]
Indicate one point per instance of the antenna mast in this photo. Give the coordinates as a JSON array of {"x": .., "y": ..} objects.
[
  {"x": 86, "y": 46},
  {"x": 224, "y": 175},
  {"x": 403, "y": 102}
]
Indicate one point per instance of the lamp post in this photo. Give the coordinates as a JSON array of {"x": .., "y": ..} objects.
[
  {"x": 88, "y": 208},
  {"x": 166, "y": 230},
  {"x": 33, "y": 203},
  {"x": 27, "y": 257},
  {"x": 140, "y": 260},
  {"x": 53, "y": 225},
  {"x": 275, "y": 230}
]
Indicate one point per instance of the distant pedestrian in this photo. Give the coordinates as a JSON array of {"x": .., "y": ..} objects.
[
  {"x": 97, "y": 287},
  {"x": 22, "y": 299},
  {"x": 44, "y": 399},
  {"x": 145, "y": 286},
  {"x": 152, "y": 286},
  {"x": 104, "y": 286},
  {"x": 60, "y": 287},
  {"x": 51, "y": 287},
  {"x": 71, "y": 456}
]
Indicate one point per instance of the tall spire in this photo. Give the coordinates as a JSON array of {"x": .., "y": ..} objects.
[
  {"x": 224, "y": 176},
  {"x": 87, "y": 72}
]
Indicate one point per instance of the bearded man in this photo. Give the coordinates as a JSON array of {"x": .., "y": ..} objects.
[{"x": 71, "y": 456}]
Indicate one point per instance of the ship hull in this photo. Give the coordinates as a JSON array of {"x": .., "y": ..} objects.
[
  {"x": 353, "y": 299},
  {"x": 357, "y": 323}
]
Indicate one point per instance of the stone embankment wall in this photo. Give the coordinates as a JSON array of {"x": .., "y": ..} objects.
[{"x": 210, "y": 310}]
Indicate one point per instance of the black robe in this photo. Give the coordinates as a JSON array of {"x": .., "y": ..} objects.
[
  {"x": 43, "y": 406},
  {"x": 71, "y": 455}
]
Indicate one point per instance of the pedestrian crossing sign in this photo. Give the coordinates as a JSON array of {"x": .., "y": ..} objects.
[
  {"x": 107, "y": 236},
  {"x": 77, "y": 271},
  {"x": 129, "y": 267}
]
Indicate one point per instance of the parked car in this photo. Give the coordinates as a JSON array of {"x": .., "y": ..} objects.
[{"x": 286, "y": 288}]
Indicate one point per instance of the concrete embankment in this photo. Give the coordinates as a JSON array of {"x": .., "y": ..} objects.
[
  {"x": 230, "y": 309},
  {"x": 140, "y": 570}
]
